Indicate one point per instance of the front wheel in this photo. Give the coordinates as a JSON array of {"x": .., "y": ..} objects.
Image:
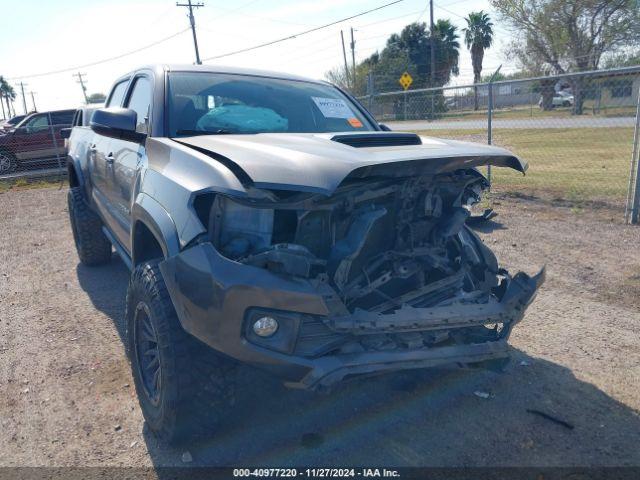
[
  {"x": 184, "y": 388},
  {"x": 8, "y": 163}
]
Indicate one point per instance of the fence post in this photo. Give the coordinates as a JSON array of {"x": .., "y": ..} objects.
[
  {"x": 632, "y": 211},
  {"x": 370, "y": 90},
  {"x": 55, "y": 146},
  {"x": 489, "y": 126},
  {"x": 405, "y": 105},
  {"x": 489, "y": 118}
]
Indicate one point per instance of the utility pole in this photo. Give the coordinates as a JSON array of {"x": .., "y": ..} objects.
[
  {"x": 433, "y": 46},
  {"x": 353, "y": 59},
  {"x": 33, "y": 100},
  {"x": 192, "y": 20},
  {"x": 24, "y": 99},
  {"x": 344, "y": 54},
  {"x": 81, "y": 82}
]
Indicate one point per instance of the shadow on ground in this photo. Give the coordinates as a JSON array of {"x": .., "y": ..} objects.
[
  {"x": 487, "y": 226},
  {"x": 107, "y": 288},
  {"x": 415, "y": 418}
]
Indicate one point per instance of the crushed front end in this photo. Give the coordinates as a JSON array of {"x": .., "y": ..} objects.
[{"x": 382, "y": 275}]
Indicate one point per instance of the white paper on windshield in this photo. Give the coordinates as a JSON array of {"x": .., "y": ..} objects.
[{"x": 333, "y": 107}]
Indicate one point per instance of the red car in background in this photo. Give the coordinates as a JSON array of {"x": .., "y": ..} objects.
[
  {"x": 11, "y": 123},
  {"x": 37, "y": 138}
]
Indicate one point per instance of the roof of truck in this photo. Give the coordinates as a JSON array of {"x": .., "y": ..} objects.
[{"x": 225, "y": 69}]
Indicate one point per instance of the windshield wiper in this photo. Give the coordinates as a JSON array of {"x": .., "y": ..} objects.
[{"x": 220, "y": 131}]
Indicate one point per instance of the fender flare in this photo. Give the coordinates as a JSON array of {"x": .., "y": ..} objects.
[
  {"x": 72, "y": 163},
  {"x": 153, "y": 215}
]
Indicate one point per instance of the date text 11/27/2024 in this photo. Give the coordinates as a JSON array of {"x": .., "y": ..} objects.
[{"x": 316, "y": 472}]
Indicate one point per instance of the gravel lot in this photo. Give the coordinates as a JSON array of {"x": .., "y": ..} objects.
[
  {"x": 68, "y": 397},
  {"x": 526, "y": 123}
]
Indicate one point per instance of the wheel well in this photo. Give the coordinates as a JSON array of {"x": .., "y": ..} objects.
[
  {"x": 145, "y": 245},
  {"x": 72, "y": 175}
]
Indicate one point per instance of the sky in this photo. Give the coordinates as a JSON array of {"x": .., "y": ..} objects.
[{"x": 47, "y": 35}]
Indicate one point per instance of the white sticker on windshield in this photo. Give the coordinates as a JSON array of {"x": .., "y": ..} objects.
[{"x": 333, "y": 107}]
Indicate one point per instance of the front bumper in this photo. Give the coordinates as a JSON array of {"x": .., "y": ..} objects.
[{"x": 213, "y": 294}]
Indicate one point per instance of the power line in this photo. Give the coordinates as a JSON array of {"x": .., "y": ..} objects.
[
  {"x": 377, "y": 22},
  {"x": 192, "y": 21},
  {"x": 235, "y": 11},
  {"x": 290, "y": 37},
  {"x": 99, "y": 62}
]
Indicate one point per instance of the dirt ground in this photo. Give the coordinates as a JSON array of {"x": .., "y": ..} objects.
[{"x": 68, "y": 398}]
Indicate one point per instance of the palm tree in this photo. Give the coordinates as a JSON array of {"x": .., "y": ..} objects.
[
  {"x": 7, "y": 92},
  {"x": 447, "y": 53},
  {"x": 478, "y": 36}
]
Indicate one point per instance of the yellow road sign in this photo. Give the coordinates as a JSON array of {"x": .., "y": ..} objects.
[{"x": 405, "y": 80}]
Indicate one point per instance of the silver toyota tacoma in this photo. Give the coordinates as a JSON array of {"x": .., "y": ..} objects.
[{"x": 267, "y": 219}]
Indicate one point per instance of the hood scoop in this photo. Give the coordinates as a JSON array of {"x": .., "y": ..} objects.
[{"x": 369, "y": 140}]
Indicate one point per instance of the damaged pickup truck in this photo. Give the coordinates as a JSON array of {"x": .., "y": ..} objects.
[{"x": 268, "y": 219}]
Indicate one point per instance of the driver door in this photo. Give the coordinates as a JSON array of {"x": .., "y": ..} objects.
[{"x": 34, "y": 139}]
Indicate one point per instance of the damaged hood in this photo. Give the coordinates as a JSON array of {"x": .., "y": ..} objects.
[{"x": 318, "y": 163}]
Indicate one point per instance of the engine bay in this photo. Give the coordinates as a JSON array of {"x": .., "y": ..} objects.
[{"x": 379, "y": 243}]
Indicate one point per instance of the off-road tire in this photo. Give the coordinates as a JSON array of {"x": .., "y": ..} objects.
[
  {"x": 196, "y": 384},
  {"x": 8, "y": 162},
  {"x": 92, "y": 245}
]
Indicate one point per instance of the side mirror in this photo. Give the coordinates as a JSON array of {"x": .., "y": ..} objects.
[
  {"x": 65, "y": 132},
  {"x": 384, "y": 127},
  {"x": 117, "y": 122}
]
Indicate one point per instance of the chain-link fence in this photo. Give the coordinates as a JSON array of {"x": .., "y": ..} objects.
[
  {"x": 35, "y": 147},
  {"x": 576, "y": 131}
]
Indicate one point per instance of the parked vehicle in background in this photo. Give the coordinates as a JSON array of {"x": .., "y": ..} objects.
[
  {"x": 83, "y": 114},
  {"x": 81, "y": 118},
  {"x": 35, "y": 139},
  {"x": 11, "y": 123},
  {"x": 560, "y": 99},
  {"x": 269, "y": 219}
]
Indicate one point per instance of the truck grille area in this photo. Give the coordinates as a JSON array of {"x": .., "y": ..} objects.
[{"x": 315, "y": 339}]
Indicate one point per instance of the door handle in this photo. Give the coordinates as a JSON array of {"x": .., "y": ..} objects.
[{"x": 109, "y": 158}]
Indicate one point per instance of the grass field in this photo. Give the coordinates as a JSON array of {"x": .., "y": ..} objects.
[
  {"x": 576, "y": 164},
  {"x": 533, "y": 111},
  {"x": 25, "y": 183}
]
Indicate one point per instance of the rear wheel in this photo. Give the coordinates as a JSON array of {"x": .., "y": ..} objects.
[
  {"x": 8, "y": 163},
  {"x": 184, "y": 387},
  {"x": 92, "y": 245}
]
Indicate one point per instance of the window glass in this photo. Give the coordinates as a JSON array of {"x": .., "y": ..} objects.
[
  {"x": 202, "y": 102},
  {"x": 17, "y": 119},
  {"x": 117, "y": 94},
  {"x": 62, "y": 118},
  {"x": 140, "y": 102},
  {"x": 85, "y": 118},
  {"x": 37, "y": 123}
]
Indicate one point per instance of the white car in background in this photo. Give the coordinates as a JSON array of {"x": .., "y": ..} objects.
[{"x": 560, "y": 99}]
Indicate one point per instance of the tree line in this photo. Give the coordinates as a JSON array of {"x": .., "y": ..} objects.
[{"x": 549, "y": 37}]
